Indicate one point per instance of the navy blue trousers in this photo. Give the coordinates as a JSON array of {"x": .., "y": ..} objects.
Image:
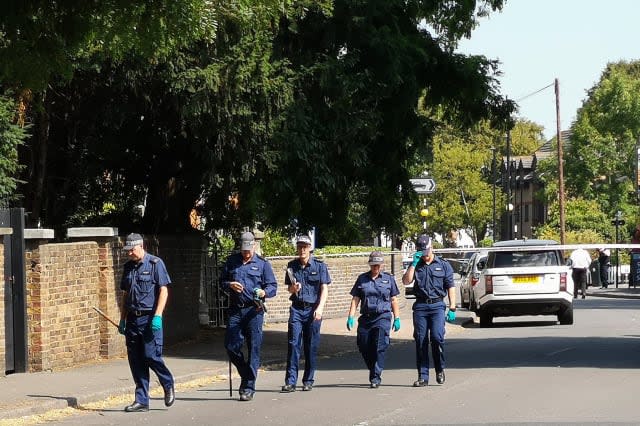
[
  {"x": 245, "y": 324},
  {"x": 303, "y": 335},
  {"x": 428, "y": 327},
  {"x": 373, "y": 341},
  {"x": 144, "y": 351}
]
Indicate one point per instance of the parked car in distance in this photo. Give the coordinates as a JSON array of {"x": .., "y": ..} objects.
[
  {"x": 523, "y": 277},
  {"x": 470, "y": 274}
]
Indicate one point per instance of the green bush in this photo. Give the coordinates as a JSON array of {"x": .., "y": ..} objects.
[
  {"x": 227, "y": 244},
  {"x": 487, "y": 242},
  {"x": 276, "y": 243}
]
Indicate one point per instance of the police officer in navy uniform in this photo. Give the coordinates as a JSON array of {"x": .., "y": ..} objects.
[
  {"x": 249, "y": 279},
  {"x": 144, "y": 281},
  {"x": 433, "y": 280},
  {"x": 309, "y": 291},
  {"x": 377, "y": 293}
]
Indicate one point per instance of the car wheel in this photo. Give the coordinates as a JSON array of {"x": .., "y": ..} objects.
[
  {"x": 464, "y": 304},
  {"x": 566, "y": 318},
  {"x": 485, "y": 319},
  {"x": 472, "y": 303}
]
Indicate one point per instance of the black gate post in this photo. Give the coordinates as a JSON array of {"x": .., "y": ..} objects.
[{"x": 15, "y": 292}]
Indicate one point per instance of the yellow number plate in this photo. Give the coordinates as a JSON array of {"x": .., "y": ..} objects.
[{"x": 526, "y": 279}]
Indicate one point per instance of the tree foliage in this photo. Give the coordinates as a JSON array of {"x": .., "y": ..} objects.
[
  {"x": 11, "y": 136},
  {"x": 582, "y": 217},
  {"x": 291, "y": 110},
  {"x": 603, "y": 144},
  {"x": 526, "y": 138},
  {"x": 354, "y": 122},
  {"x": 462, "y": 168},
  {"x": 462, "y": 161},
  {"x": 42, "y": 41}
]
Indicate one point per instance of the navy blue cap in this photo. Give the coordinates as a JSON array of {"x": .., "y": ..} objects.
[{"x": 423, "y": 243}]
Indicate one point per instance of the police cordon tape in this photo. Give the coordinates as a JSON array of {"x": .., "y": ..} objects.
[{"x": 538, "y": 247}]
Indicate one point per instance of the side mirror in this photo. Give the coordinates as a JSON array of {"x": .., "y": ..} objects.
[
  {"x": 462, "y": 270},
  {"x": 481, "y": 265}
]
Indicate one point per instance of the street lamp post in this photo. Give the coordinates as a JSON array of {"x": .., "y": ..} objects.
[
  {"x": 509, "y": 208},
  {"x": 424, "y": 213},
  {"x": 509, "y": 170}
]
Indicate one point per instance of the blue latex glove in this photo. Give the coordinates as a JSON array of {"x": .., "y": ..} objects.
[
  {"x": 122, "y": 326},
  {"x": 416, "y": 258},
  {"x": 451, "y": 315},
  {"x": 156, "y": 323},
  {"x": 396, "y": 324},
  {"x": 350, "y": 323}
]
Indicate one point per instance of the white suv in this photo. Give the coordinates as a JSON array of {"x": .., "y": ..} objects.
[{"x": 523, "y": 277}]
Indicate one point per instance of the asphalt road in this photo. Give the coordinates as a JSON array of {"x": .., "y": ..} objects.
[{"x": 525, "y": 370}]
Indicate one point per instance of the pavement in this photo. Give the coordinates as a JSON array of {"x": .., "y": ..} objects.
[{"x": 30, "y": 394}]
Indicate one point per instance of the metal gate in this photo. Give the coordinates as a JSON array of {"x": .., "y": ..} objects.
[
  {"x": 215, "y": 300},
  {"x": 15, "y": 301}
]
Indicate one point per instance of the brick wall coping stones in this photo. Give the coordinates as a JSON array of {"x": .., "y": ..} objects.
[
  {"x": 38, "y": 234},
  {"x": 98, "y": 231},
  {"x": 6, "y": 231}
]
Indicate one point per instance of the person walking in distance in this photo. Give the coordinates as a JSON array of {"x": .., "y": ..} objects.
[
  {"x": 376, "y": 292},
  {"x": 307, "y": 280},
  {"x": 580, "y": 261},
  {"x": 144, "y": 281},
  {"x": 249, "y": 279},
  {"x": 433, "y": 280},
  {"x": 604, "y": 259}
]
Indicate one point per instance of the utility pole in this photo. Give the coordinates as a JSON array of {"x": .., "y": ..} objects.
[
  {"x": 509, "y": 210},
  {"x": 493, "y": 185},
  {"x": 560, "y": 163}
]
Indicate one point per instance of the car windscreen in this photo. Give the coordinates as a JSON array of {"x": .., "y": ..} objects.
[{"x": 524, "y": 258}]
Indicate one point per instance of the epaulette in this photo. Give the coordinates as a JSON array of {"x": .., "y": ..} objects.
[
  {"x": 259, "y": 256},
  {"x": 318, "y": 259},
  {"x": 154, "y": 259}
]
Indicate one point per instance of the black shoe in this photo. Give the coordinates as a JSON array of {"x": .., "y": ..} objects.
[
  {"x": 440, "y": 377},
  {"x": 307, "y": 386},
  {"x": 246, "y": 396},
  {"x": 374, "y": 385},
  {"x": 583, "y": 296},
  {"x": 169, "y": 396},
  {"x": 420, "y": 383},
  {"x": 288, "y": 388},
  {"x": 136, "y": 407}
]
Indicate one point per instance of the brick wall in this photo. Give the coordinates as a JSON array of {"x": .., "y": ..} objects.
[
  {"x": 62, "y": 287},
  {"x": 66, "y": 281},
  {"x": 344, "y": 269},
  {"x": 111, "y": 259},
  {"x": 3, "y": 360}
]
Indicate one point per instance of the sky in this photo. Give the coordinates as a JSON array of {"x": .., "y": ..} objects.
[{"x": 537, "y": 41}]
